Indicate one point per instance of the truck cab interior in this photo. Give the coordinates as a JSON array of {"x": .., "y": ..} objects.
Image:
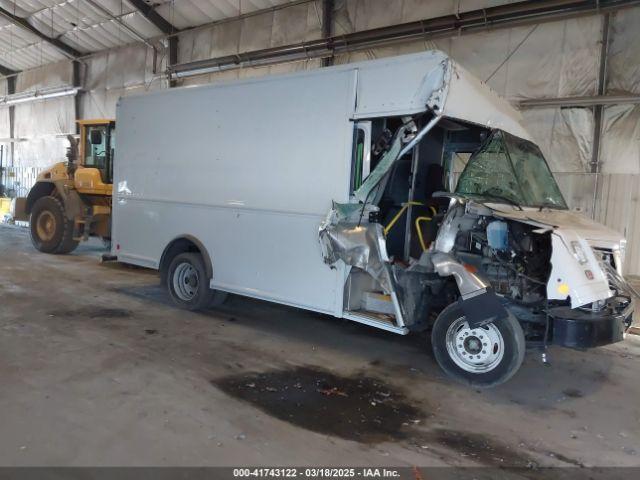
[
  {"x": 409, "y": 211},
  {"x": 408, "y": 206}
]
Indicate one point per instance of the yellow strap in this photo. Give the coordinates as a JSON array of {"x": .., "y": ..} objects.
[
  {"x": 399, "y": 214},
  {"x": 419, "y": 230}
]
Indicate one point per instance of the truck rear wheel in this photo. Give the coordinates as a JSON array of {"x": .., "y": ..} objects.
[
  {"x": 188, "y": 283},
  {"x": 51, "y": 230},
  {"x": 483, "y": 357}
]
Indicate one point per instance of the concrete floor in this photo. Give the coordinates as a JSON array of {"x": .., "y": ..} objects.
[{"x": 96, "y": 368}]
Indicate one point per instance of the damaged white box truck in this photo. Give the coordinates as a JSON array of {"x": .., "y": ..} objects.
[{"x": 333, "y": 190}]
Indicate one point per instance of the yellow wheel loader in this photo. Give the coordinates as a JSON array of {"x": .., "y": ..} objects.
[{"x": 72, "y": 200}]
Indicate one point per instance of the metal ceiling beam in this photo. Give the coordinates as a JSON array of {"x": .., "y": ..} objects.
[
  {"x": 118, "y": 20},
  {"x": 503, "y": 16},
  {"x": 327, "y": 27},
  {"x": 68, "y": 50},
  {"x": 6, "y": 71},
  {"x": 150, "y": 13}
]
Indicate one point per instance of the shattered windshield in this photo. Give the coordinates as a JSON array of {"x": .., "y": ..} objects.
[{"x": 512, "y": 170}]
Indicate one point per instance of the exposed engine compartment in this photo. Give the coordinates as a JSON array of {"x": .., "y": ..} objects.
[{"x": 509, "y": 254}]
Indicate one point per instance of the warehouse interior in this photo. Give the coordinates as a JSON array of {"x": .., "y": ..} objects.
[{"x": 99, "y": 370}]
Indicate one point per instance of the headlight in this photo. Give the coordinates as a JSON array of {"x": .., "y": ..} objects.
[{"x": 578, "y": 253}]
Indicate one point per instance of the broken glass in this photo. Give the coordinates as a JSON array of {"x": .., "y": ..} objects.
[{"x": 508, "y": 168}]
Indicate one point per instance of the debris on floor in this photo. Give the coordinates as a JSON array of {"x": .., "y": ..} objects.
[{"x": 356, "y": 407}]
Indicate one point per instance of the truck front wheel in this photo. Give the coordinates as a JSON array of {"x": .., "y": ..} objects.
[
  {"x": 51, "y": 230},
  {"x": 188, "y": 283},
  {"x": 483, "y": 357}
]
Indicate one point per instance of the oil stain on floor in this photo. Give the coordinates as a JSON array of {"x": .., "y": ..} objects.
[
  {"x": 481, "y": 449},
  {"x": 358, "y": 408},
  {"x": 363, "y": 409}
]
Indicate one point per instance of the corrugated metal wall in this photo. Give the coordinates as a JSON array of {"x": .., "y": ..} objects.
[{"x": 554, "y": 59}]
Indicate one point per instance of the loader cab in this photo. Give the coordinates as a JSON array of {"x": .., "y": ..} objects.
[{"x": 97, "y": 146}]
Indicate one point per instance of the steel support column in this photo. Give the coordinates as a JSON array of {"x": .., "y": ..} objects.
[
  {"x": 598, "y": 110},
  {"x": 173, "y": 57},
  {"x": 327, "y": 28},
  {"x": 602, "y": 86},
  {"x": 11, "y": 89},
  {"x": 77, "y": 99}
]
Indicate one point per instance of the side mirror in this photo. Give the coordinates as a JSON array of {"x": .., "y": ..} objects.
[{"x": 96, "y": 137}]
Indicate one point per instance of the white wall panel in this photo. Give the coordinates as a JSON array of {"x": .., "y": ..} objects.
[
  {"x": 116, "y": 73},
  {"x": 557, "y": 59},
  {"x": 617, "y": 207},
  {"x": 620, "y": 151},
  {"x": 296, "y": 24},
  {"x": 42, "y": 127},
  {"x": 565, "y": 136},
  {"x": 196, "y": 45},
  {"x": 52, "y": 75},
  {"x": 355, "y": 15},
  {"x": 275, "y": 28},
  {"x": 577, "y": 189},
  {"x": 623, "y": 67},
  {"x": 225, "y": 39},
  {"x": 280, "y": 27}
]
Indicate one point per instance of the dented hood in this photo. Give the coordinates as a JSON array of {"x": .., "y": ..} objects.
[{"x": 596, "y": 234}]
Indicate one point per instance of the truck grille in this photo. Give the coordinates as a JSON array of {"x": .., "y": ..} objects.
[
  {"x": 608, "y": 264},
  {"x": 605, "y": 255},
  {"x": 607, "y": 261}
]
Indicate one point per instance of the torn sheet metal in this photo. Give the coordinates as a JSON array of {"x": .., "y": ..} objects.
[
  {"x": 412, "y": 84},
  {"x": 361, "y": 246},
  {"x": 413, "y": 289},
  {"x": 470, "y": 99}
]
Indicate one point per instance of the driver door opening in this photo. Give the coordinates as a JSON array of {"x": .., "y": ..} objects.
[{"x": 409, "y": 210}]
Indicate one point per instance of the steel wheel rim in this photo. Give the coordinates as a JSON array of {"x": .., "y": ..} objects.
[
  {"x": 475, "y": 350},
  {"x": 46, "y": 225},
  {"x": 185, "y": 281}
]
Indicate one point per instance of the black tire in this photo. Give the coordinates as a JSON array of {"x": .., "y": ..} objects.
[
  {"x": 495, "y": 372},
  {"x": 51, "y": 231},
  {"x": 218, "y": 298},
  {"x": 188, "y": 283},
  {"x": 68, "y": 244}
]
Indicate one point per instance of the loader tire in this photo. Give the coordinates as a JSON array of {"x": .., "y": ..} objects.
[{"x": 51, "y": 230}]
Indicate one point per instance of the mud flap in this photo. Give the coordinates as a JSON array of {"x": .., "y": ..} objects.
[{"x": 483, "y": 309}]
